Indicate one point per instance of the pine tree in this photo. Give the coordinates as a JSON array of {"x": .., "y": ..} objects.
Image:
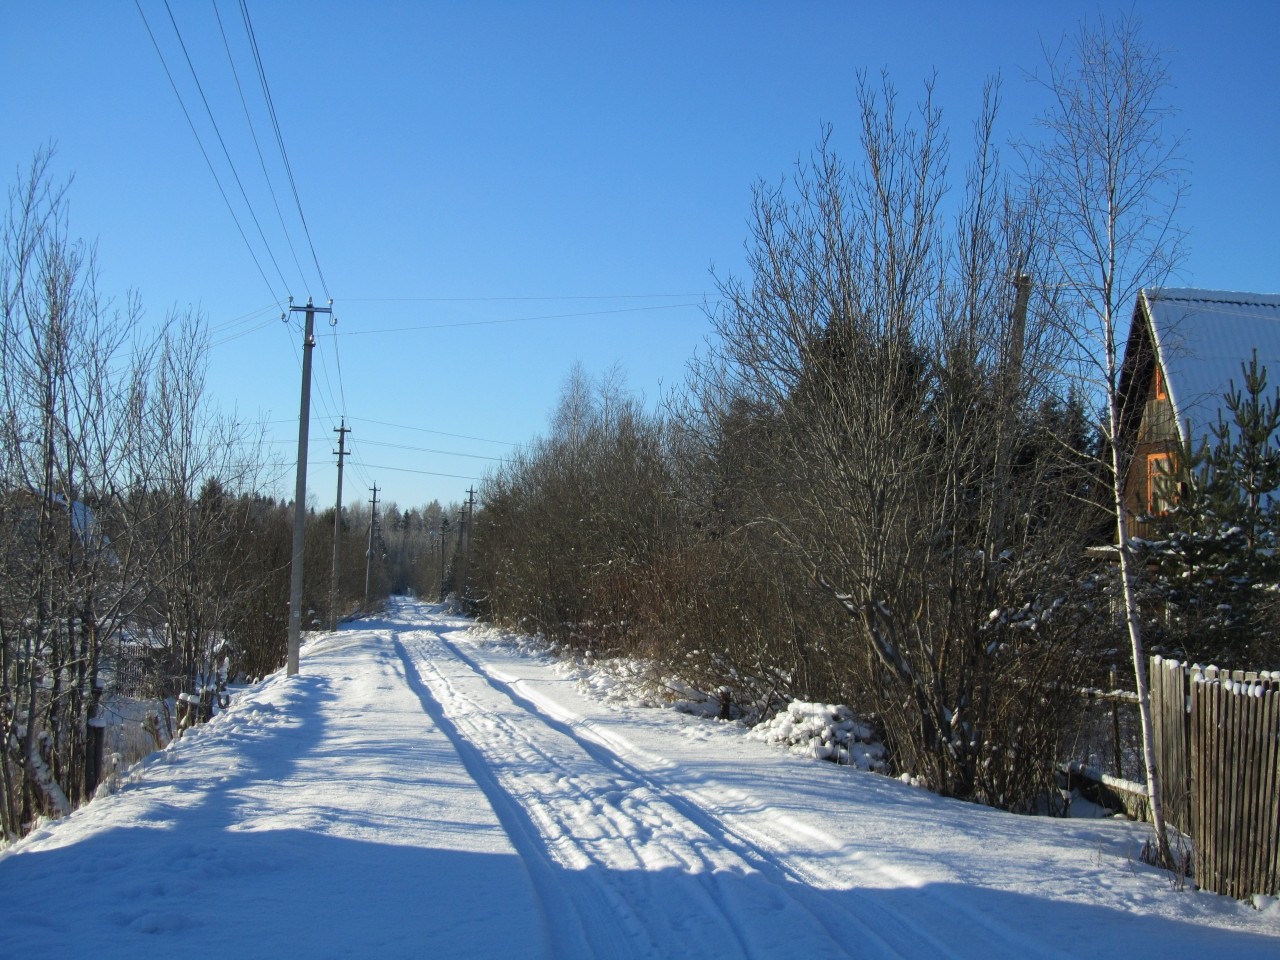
[{"x": 1217, "y": 563}]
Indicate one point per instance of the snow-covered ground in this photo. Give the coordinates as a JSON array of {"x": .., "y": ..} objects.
[{"x": 422, "y": 790}]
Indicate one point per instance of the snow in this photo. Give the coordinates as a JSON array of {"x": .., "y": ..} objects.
[
  {"x": 824, "y": 731},
  {"x": 427, "y": 788}
]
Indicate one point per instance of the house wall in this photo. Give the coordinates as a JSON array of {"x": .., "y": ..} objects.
[{"x": 1156, "y": 446}]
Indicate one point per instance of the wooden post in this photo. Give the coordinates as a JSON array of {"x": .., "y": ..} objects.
[{"x": 1118, "y": 760}]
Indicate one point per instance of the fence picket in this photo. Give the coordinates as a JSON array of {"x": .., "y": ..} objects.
[
  {"x": 1269, "y": 842},
  {"x": 1217, "y": 796},
  {"x": 1257, "y": 777}
]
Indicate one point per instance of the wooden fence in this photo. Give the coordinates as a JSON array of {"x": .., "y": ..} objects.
[{"x": 1218, "y": 753}]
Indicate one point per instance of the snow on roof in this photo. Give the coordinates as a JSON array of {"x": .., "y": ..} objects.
[
  {"x": 84, "y": 523},
  {"x": 1202, "y": 337}
]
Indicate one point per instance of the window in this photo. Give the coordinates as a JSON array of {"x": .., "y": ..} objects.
[
  {"x": 1162, "y": 494},
  {"x": 1161, "y": 392}
]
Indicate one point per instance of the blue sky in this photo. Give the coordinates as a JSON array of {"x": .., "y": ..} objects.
[{"x": 496, "y": 190}]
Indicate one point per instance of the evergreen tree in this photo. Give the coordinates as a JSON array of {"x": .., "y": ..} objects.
[{"x": 1217, "y": 565}]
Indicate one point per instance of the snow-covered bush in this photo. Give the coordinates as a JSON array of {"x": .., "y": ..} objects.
[{"x": 825, "y": 732}]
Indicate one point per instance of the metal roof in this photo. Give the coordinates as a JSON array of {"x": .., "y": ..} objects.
[{"x": 1202, "y": 337}]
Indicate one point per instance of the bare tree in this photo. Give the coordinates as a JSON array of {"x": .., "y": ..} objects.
[
  {"x": 67, "y": 383},
  {"x": 191, "y": 467},
  {"x": 1110, "y": 176},
  {"x": 104, "y": 443},
  {"x": 569, "y": 521},
  {"x": 891, "y": 362}
]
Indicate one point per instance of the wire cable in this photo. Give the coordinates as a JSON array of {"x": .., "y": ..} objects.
[
  {"x": 221, "y": 142},
  {"x": 275, "y": 124},
  {"x": 253, "y": 133},
  {"x": 284, "y": 156},
  {"x": 615, "y": 296},
  {"x": 425, "y": 473},
  {"x": 446, "y": 453},
  {"x": 204, "y": 153},
  {"x": 456, "y": 436},
  {"x": 484, "y": 323}
]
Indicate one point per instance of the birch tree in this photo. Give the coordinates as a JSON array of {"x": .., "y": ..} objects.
[{"x": 1110, "y": 176}]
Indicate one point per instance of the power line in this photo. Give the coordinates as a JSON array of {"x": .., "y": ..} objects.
[
  {"x": 257, "y": 324},
  {"x": 337, "y": 359},
  {"x": 358, "y": 465},
  {"x": 426, "y": 473},
  {"x": 225, "y": 152},
  {"x": 328, "y": 383},
  {"x": 447, "y": 453},
  {"x": 550, "y": 316},
  {"x": 256, "y": 145},
  {"x": 275, "y": 124},
  {"x": 456, "y": 436},
  {"x": 614, "y": 296},
  {"x": 361, "y": 470},
  {"x": 293, "y": 186},
  {"x": 321, "y": 440},
  {"x": 204, "y": 153},
  {"x": 223, "y": 325}
]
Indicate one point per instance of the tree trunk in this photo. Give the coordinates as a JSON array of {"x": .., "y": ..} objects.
[{"x": 1133, "y": 624}]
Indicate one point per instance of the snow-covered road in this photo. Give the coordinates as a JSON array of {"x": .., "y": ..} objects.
[{"x": 421, "y": 789}]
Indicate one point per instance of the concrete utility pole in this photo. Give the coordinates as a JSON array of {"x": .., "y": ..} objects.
[
  {"x": 368, "y": 557},
  {"x": 342, "y": 432},
  {"x": 464, "y": 538},
  {"x": 300, "y": 490},
  {"x": 444, "y": 537}
]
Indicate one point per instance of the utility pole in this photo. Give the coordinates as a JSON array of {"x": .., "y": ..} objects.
[
  {"x": 300, "y": 490},
  {"x": 464, "y": 537},
  {"x": 368, "y": 557},
  {"x": 342, "y": 432},
  {"x": 444, "y": 537}
]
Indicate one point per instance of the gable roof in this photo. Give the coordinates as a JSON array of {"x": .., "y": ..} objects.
[{"x": 1201, "y": 338}]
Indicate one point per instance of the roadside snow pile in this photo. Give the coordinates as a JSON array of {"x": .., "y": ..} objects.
[{"x": 826, "y": 732}]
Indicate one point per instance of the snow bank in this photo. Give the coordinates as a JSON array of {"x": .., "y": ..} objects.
[{"x": 825, "y": 731}]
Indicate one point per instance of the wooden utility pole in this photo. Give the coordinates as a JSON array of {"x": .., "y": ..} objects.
[
  {"x": 368, "y": 557},
  {"x": 342, "y": 432},
  {"x": 300, "y": 489}
]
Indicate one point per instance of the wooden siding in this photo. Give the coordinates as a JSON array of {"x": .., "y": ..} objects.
[{"x": 1157, "y": 435}]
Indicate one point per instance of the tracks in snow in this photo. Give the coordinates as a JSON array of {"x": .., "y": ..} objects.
[
  {"x": 633, "y": 855},
  {"x": 625, "y": 865}
]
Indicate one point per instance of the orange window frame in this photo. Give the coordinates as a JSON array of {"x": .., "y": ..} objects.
[
  {"x": 1161, "y": 493},
  {"x": 1162, "y": 392}
]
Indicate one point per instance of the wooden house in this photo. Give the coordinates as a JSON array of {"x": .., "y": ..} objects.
[{"x": 1184, "y": 354}]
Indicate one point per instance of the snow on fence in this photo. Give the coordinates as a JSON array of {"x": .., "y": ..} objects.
[{"x": 1218, "y": 753}]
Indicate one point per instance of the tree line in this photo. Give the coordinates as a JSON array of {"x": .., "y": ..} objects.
[
  {"x": 879, "y": 484},
  {"x": 139, "y": 553}
]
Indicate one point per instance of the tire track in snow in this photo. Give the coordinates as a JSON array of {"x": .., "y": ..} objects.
[
  {"x": 777, "y": 899},
  {"x": 541, "y": 797},
  {"x": 563, "y": 928},
  {"x": 765, "y": 853}
]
